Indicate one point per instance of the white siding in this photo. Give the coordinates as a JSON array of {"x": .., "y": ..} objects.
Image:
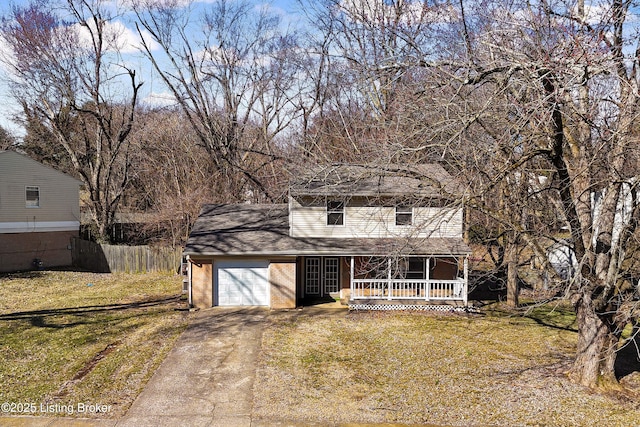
[
  {"x": 374, "y": 222},
  {"x": 59, "y": 195},
  {"x": 438, "y": 222}
]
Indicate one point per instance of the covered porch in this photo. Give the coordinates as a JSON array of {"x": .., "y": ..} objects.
[
  {"x": 363, "y": 280},
  {"x": 428, "y": 279}
]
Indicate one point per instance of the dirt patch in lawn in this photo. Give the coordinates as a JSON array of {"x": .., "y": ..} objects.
[
  {"x": 444, "y": 369},
  {"x": 86, "y": 369}
]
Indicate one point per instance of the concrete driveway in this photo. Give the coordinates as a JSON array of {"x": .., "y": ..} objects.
[{"x": 207, "y": 378}]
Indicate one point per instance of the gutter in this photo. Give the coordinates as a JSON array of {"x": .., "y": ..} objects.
[{"x": 321, "y": 252}]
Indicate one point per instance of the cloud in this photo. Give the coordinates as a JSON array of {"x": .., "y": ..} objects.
[
  {"x": 156, "y": 3},
  {"x": 117, "y": 37},
  {"x": 159, "y": 99},
  {"x": 6, "y": 54},
  {"x": 594, "y": 14},
  {"x": 413, "y": 12}
]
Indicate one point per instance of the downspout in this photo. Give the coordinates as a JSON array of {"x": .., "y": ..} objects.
[{"x": 189, "y": 293}]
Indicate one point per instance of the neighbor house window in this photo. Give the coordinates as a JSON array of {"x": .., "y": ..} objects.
[
  {"x": 32, "y": 197},
  {"x": 404, "y": 215},
  {"x": 335, "y": 213}
]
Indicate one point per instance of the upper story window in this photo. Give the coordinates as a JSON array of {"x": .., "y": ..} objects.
[
  {"x": 404, "y": 215},
  {"x": 32, "y": 197},
  {"x": 335, "y": 212}
]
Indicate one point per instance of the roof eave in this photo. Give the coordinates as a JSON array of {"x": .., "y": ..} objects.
[
  {"x": 402, "y": 194},
  {"x": 192, "y": 253}
]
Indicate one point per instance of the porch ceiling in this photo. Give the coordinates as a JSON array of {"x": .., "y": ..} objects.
[{"x": 264, "y": 230}]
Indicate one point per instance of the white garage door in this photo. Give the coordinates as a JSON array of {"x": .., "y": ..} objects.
[{"x": 242, "y": 282}]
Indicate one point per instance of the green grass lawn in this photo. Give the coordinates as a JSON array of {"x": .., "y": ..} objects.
[{"x": 73, "y": 337}]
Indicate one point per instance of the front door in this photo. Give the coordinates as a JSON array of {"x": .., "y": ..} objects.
[
  {"x": 322, "y": 276},
  {"x": 331, "y": 275},
  {"x": 312, "y": 276}
]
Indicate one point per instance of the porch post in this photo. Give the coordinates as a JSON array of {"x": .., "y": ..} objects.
[
  {"x": 465, "y": 287},
  {"x": 351, "y": 285},
  {"x": 427, "y": 290},
  {"x": 389, "y": 278}
]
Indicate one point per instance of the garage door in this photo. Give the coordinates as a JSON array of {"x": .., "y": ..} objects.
[{"x": 242, "y": 282}]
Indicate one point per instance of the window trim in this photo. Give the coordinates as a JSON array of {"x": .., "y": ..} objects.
[
  {"x": 30, "y": 204},
  {"x": 403, "y": 211},
  {"x": 338, "y": 208}
]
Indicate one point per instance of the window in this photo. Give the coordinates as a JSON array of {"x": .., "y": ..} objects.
[
  {"x": 404, "y": 215},
  {"x": 32, "y": 197},
  {"x": 410, "y": 268},
  {"x": 415, "y": 268},
  {"x": 335, "y": 213}
]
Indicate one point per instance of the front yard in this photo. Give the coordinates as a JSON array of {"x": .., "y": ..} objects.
[
  {"x": 69, "y": 338},
  {"x": 444, "y": 369}
]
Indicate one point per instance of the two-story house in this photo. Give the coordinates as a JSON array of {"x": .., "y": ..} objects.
[
  {"x": 377, "y": 237},
  {"x": 39, "y": 214}
]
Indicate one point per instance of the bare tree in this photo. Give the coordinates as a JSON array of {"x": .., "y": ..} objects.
[
  {"x": 369, "y": 79},
  {"x": 7, "y": 140},
  {"x": 66, "y": 73},
  {"x": 174, "y": 176},
  {"x": 534, "y": 105},
  {"x": 571, "y": 90},
  {"x": 230, "y": 70}
]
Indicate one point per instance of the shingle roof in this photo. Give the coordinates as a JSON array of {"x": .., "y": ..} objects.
[
  {"x": 264, "y": 230},
  {"x": 425, "y": 180}
]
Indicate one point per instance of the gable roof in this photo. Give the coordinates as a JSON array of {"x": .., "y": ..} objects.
[
  {"x": 13, "y": 156},
  {"x": 264, "y": 230},
  {"x": 391, "y": 180}
]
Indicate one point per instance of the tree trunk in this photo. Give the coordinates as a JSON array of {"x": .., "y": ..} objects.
[
  {"x": 512, "y": 285},
  {"x": 608, "y": 365},
  {"x": 596, "y": 349},
  {"x": 511, "y": 260}
]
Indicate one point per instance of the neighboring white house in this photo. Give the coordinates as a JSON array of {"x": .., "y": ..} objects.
[
  {"x": 561, "y": 254},
  {"x": 624, "y": 209},
  {"x": 387, "y": 238},
  {"x": 39, "y": 214}
]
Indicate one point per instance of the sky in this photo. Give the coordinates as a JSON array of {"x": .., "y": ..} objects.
[{"x": 152, "y": 90}]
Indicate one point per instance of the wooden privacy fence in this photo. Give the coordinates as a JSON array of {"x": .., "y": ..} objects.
[{"x": 128, "y": 259}]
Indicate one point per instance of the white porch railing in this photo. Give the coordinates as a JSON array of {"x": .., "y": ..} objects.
[{"x": 390, "y": 289}]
